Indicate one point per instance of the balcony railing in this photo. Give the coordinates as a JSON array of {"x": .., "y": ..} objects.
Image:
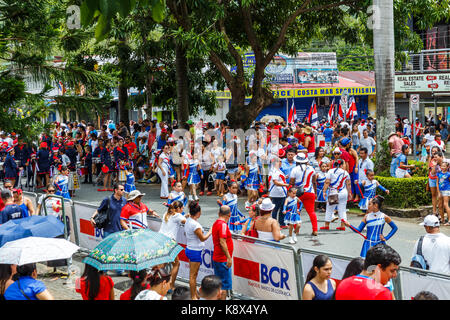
[{"x": 436, "y": 60}]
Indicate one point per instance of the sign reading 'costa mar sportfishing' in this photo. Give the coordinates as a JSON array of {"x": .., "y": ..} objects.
[{"x": 310, "y": 92}]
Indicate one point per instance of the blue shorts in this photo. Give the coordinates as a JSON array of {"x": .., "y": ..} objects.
[
  {"x": 194, "y": 255},
  {"x": 224, "y": 273},
  {"x": 220, "y": 176}
]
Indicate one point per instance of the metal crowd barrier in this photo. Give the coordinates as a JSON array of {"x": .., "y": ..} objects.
[{"x": 262, "y": 269}]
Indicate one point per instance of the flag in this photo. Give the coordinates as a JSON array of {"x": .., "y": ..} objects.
[
  {"x": 292, "y": 118},
  {"x": 61, "y": 87},
  {"x": 313, "y": 117},
  {"x": 352, "y": 112},
  {"x": 331, "y": 112},
  {"x": 340, "y": 113}
]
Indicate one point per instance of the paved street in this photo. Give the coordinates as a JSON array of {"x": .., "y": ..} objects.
[{"x": 340, "y": 242}]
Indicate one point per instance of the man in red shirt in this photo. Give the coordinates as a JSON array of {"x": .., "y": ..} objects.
[
  {"x": 131, "y": 146},
  {"x": 223, "y": 249},
  {"x": 380, "y": 265}
]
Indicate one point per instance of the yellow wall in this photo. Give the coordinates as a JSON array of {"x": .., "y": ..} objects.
[{"x": 372, "y": 106}]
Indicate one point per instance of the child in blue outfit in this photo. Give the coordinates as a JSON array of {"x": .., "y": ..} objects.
[
  {"x": 370, "y": 190},
  {"x": 130, "y": 180},
  {"x": 291, "y": 209},
  {"x": 444, "y": 190}
]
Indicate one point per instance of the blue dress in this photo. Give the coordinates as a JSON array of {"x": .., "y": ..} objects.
[
  {"x": 321, "y": 177},
  {"x": 292, "y": 211},
  {"x": 62, "y": 186},
  {"x": 193, "y": 176},
  {"x": 370, "y": 190},
  {"x": 252, "y": 181},
  {"x": 129, "y": 184},
  {"x": 375, "y": 222},
  {"x": 236, "y": 215},
  {"x": 178, "y": 196}
]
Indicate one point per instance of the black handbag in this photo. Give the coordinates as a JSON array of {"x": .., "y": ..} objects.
[{"x": 101, "y": 220}]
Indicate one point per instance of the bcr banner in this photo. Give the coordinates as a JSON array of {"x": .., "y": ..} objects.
[
  {"x": 263, "y": 271},
  {"x": 412, "y": 283},
  {"x": 206, "y": 267},
  {"x": 88, "y": 236}
]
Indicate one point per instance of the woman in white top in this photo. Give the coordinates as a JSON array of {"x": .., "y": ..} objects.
[
  {"x": 194, "y": 245},
  {"x": 268, "y": 228},
  {"x": 171, "y": 222},
  {"x": 159, "y": 281}
]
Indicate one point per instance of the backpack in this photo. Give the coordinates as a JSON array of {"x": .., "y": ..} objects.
[{"x": 418, "y": 261}]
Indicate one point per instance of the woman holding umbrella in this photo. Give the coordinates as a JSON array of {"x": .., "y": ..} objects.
[{"x": 94, "y": 285}]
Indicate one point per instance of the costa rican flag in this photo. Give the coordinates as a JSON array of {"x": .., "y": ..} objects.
[
  {"x": 292, "y": 118},
  {"x": 340, "y": 113},
  {"x": 330, "y": 113},
  {"x": 352, "y": 112},
  {"x": 314, "y": 118}
]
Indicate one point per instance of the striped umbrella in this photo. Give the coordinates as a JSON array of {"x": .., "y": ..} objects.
[{"x": 134, "y": 249}]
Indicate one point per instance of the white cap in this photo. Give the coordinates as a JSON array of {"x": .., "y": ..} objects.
[
  {"x": 301, "y": 158},
  {"x": 430, "y": 221},
  {"x": 266, "y": 205}
]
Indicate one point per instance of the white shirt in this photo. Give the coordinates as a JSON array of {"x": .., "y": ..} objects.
[
  {"x": 436, "y": 251},
  {"x": 274, "y": 190},
  {"x": 361, "y": 129},
  {"x": 368, "y": 143},
  {"x": 49, "y": 203},
  {"x": 303, "y": 177},
  {"x": 170, "y": 228},
  {"x": 192, "y": 241},
  {"x": 440, "y": 145},
  {"x": 149, "y": 295},
  {"x": 338, "y": 179},
  {"x": 429, "y": 138},
  {"x": 364, "y": 165}
]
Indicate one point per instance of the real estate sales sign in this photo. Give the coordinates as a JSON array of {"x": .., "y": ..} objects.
[{"x": 437, "y": 82}]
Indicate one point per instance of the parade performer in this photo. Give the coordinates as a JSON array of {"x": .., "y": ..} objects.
[
  {"x": 194, "y": 176},
  {"x": 370, "y": 189},
  {"x": 320, "y": 181},
  {"x": 129, "y": 183},
  {"x": 10, "y": 166},
  {"x": 61, "y": 182},
  {"x": 252, "y": 181},
  {"x": 338, "y": 190},
  {"x": 163, "y": 170},
  {"x": 443, "y": 190},
  {"x": 291, "y": 209},
  {"x": 375, "y": 221},
  {"x": 43, "y": 165},
  {"x": 230, "y": 199},
  {"x": 177, "y": 194},
  {"x": 304, "y": 176},
  {"x": 121, "y": 157},
  {"x": 219, "y": 168}
]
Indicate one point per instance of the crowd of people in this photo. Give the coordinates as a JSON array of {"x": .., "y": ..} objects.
[{"x": 280, "y": 168}]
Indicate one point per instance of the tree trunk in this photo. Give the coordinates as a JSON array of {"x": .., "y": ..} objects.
[
  {"x": 148, "y": 95},
  {"x": 384, "y": 46},
  {"x": 182, "y": 85},
  {"x": 123, "y": 109},
  {"x": 383, "y": 42}
]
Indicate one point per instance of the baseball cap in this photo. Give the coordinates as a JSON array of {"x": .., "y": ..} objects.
[
  {"x": 430, "y": 221},
  {"x": 345, "y": 141},
  {"x": 189, "y": 122}
]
